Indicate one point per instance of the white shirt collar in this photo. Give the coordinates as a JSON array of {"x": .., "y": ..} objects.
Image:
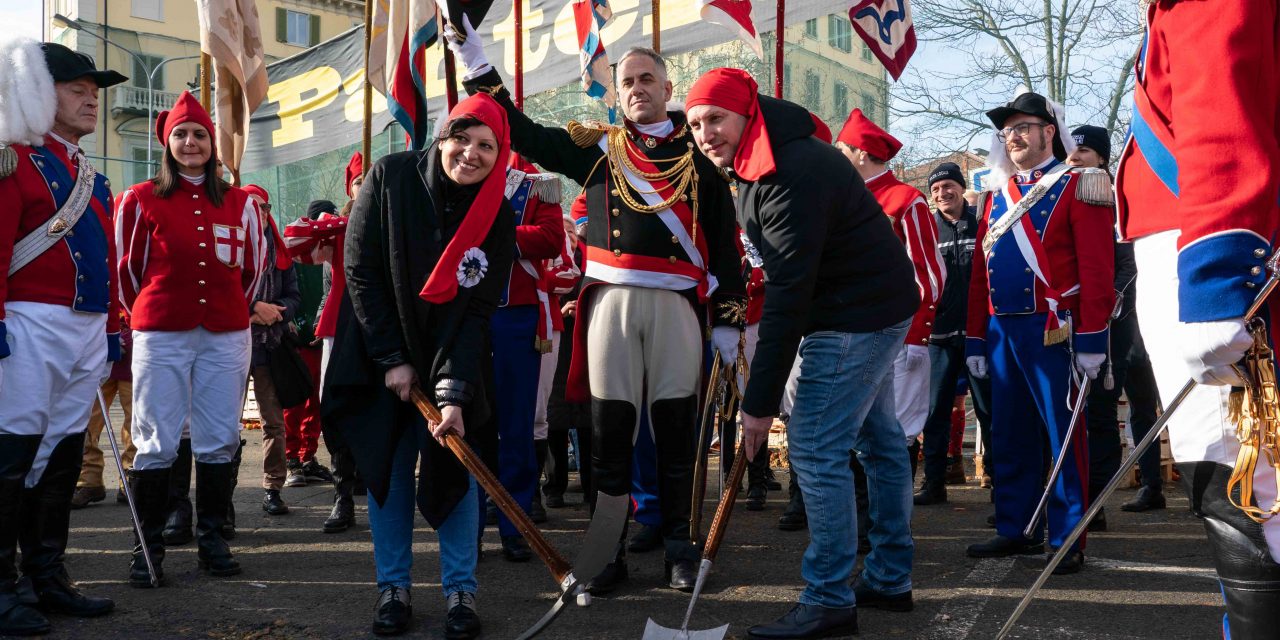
[
  {"x": 195, "y": 180},
  {"x": 72, "y": 149},
  {"x": 1026, "y": 175},
  {"x": 875, "y": 177},
  {"x": 656, "y": 129}
]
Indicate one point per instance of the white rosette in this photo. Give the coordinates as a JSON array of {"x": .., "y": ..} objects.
[{"x": 472, "y": 267}]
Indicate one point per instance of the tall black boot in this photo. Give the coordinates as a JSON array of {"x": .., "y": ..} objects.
[
  {"x": 758, "y": 479},
  {"x": 537, "y": 512},
  {"x": 1250, "y": 577},
  {"x": 343, "y": 514},
  {"x": 213, "y": 494},
  {"x": 612, "y": 423},
  {"x": 793, "y": 517},
  {"x": 177, "y": 529},
  {"x": 16, "y": 455},
  {"x": 229, "y": 527},
  {"x": 46, "y": 523},
  {"x": 151, "y": 493},
  {"x": 673, "y": 421}
]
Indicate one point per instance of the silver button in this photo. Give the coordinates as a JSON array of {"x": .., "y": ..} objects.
[
  {"x": 993, "y": 289},
  {"x": 201, "y": 300},
  {"x": 1255, "y": 271},
  {"x": 202, "y": 245},
  {"x": 54, "y": 184},
  {"x": 202, "y": 263},
  {"x": 1027, "y": 270},
  {"x": 1053, "y": 196},
  {"x": 197, "y": 212},
  {"x": 71, "y": 233},
  {"x": 202, "y": 283},
  {"x": 76, "y": 255},
  {"x": 80, "y": 278},
  {"x": 1258, "y": 253},
  {"x": 79, "y": 298},
  {"x": 40, "y": 163},
  {"x": 1250, "y": 285},
  {"x": 199, "y": 228},
  {"x": 195, "y": 196},
  {"x": 1026, "y": 291}
]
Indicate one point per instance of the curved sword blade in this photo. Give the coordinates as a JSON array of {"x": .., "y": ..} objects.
[{"x": 601, "y": 544}]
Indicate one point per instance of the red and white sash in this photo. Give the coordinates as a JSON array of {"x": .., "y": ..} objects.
[{"x": 1032, "y": 249}]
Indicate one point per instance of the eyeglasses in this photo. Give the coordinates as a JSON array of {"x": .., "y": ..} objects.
[{"x": 1020, "y": 130}]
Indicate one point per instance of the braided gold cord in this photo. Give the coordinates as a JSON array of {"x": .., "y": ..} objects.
[{"x": 682, "y": 176}]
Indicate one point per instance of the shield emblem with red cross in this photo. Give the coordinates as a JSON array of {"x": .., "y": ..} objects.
[{"x": 228, "y": 244}]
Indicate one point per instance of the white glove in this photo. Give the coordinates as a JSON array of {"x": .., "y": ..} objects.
[
  {"x": 1089, "y": 364},
  {"x": 725, "y": 340},
  {"x": 977, "y": 366},
  {"x": 917, "y": 356},
  {"x": 469, "y": 49},
  {"x": 1210, "y": 348}
]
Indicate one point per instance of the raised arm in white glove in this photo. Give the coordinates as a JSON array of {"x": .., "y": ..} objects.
[
  {"x": 1210, "y": 348},
  {"x": 469, "y": 51},
  {"x": 977, "y": 366},
  {"x": 725, "y": 340},
  {"x": 1089, "y": 364}
]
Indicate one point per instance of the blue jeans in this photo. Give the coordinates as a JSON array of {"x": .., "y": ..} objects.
[
  {"x": 844, "y": 401},
  {"x": 392, "y": 525}
]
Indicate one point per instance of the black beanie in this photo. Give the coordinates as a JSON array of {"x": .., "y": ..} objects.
[
  {"x": 1095, "y": 138},
  {"x": 947, "y": 171},
  {"x": 318, "y": 207}
]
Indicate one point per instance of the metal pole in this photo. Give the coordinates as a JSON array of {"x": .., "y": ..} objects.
[
  {"x": 657, "y": 26},
  {"x": 367, "y": 129},
  {"x": 777, "y": 48},
  {"x": 517, "y": 13},
  {"x": 128, "y": 493}
]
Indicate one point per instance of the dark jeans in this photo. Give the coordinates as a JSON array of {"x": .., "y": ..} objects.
[
  {"x": 946, "y": 365},
  {"x": 1131, "y": 371}
]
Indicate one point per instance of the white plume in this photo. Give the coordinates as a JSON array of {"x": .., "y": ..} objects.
[{"x": 28, "y": 100}]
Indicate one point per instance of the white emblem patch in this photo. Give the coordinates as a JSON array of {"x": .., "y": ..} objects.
[
  {"x": 228, "y": 244},
  {"x": 472, "y": 267}
]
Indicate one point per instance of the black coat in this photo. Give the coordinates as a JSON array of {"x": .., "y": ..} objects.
[
  {"x": 831, "y": 259},
  {"x": 398, "y": 229}
]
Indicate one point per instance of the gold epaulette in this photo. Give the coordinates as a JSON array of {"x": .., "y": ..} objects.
[
  {"x": 587, "y": 134},
  {"x": 8, "y": 161},
  {"x": 1094, "y": 187},
  {"x": 547, "y": 188}
]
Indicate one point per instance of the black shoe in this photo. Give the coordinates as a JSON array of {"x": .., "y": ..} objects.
[
  {"x": 462, "y": 623},
  {"x": 213, "y": 495},
  {"x": 682, "y": 575},
  {"x": 554, "y": 501},
  {"x": 317, "y": 473},
  {"x": 869, "y": 598},
  {"x": 648, "y": 538},
  {"x": 515, "y": 549},
  {"x": 930, "y": 492},
  {"x": 809, "y": 621},
  {"x": 296, "y": 476},
  {"x": 85, "y": 496},
  {"x": 58, "y": 594},
  {"x": 343, "y": 514},
  {"x": 756, "y": 496},
  {"x": 272, "y": 504},
  {"x": 1000, "y": 547},
  {"x": 536, "y": 512},
  {"x": 613, "y": 575},
  {"x": 18, "y": 619},
  {"x": 393, "y": 613},
  {"x": 1071, "y": 563},
  {"x": 1146, "y": 500},
  {"x": 1099, "y": 522}
]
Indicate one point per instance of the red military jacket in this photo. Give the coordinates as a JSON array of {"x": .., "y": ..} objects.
[
  {"x": 185, "y": 263},
  {"x": 1073, "y": 247},
  {"x": 1203, "y": 151},
  {"x": 914, "y": 225},
  {"x": 539, "y": 233},
  {"x": 75, "y": 272}
]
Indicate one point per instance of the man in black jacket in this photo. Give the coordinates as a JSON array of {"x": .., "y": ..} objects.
[
  {"x": 839, "y": 288},
  {"x": 660, "y": 249}
]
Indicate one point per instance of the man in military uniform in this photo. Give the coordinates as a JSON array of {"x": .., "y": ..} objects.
[
  {"x": 1039, "y": 301},
  {"x": 660, "y": 248},
  {"x": 59, "y": 323}
]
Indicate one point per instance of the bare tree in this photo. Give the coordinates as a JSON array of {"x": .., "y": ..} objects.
[{"x": 1079, "y": 53}]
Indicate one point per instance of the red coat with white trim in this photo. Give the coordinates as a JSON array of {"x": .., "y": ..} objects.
[
  {"x": 539, "y": 234},
  {"x": 1078, "y": 245},
  {"x": 914, "y": 225},
  {"x": 75, "y": 272},
  {"x": 185, "y": 263},
  {"x": 1214, "y": 173}
]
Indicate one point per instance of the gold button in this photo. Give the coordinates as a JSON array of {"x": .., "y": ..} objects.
[
  {"x": 201, "y": 300},
  {"x": 614, "y": 192},
  {"x": 199, "y": 228},
  {"x": 617, "y": 253},
  {"x": 672, "y": 259},
  {"x": 1258, "y": 253},
  {"x": 616, "y": 212},
  {"x": 1255, "y": 271},
  {"x": 684, "y": 197},
  {"x": 54, "y": 184},
  {"x": 675, "y": 240},
  {"x": 202, "y": 245},
  {"x": 617, "y": 233}
]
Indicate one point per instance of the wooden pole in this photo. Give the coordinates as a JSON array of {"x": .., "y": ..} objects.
[
  {"x": 657, "y": 26},
  {"x": 778, "y": 54},
  {"x": 518, "y": 14},
  {"x": 367, "y": 129},
  {"x": 450, "y": 80},
  {"x": 206, "y": 74}
]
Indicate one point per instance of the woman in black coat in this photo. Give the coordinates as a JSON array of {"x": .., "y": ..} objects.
[{"x": 425, "y": 264}]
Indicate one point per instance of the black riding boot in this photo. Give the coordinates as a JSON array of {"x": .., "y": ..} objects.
[
  {"x": 229, "y": 527},
  {"x": 612, "y": 423},
  {"x": 46, "y": 523},
  {"x": 758, "y": 479},
  {"x": 1250, "y": 577},
  {"x": 213, "y": 494},
  {"x": 177, "y": 529},
  {"x": 16, "y": 455},
  {"x": 343, "y": 514},
  {"x": 151, "y": 492}
]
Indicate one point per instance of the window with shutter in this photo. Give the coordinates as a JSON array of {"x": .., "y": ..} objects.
[
  {"x": 282, "y": 28},
  {"x": 299, "y": 27},
  {"x": 314, "y": 31},
  {"x": 147, "y": 9}
]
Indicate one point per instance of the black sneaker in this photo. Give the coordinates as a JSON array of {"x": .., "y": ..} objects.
[
  {"x": 273, "y": 504},
  {"x": 393, "y": 613},
  {"x": 297, "y": 477},
  {"x": 868, "y": 598},
  {"x": 316, "y": 472},
  {"x": 462, "y": 623}
]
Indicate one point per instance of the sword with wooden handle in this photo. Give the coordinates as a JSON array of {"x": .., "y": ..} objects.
[{"x": 128, "y": 493}]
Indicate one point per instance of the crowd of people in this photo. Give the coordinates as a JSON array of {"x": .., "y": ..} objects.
[{"x": 850, "y": 306}]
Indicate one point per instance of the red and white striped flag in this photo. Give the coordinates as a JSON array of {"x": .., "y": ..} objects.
[
  {"x": 885, "y": 25},
  {"x": 734, "y": 15}
]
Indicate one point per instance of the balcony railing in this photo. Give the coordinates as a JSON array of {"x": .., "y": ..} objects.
[{"x": 133, "y": 100}]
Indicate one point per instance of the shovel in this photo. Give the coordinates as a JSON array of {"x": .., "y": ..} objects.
[
  {"x": 719, "y": 524},
  {"x": 597, "y": 550}
]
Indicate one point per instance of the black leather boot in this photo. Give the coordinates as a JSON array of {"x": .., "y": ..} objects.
[
  {"x": 16, "y": 455},
  {"x": 673, "y": 421},
  {"x": 1250, "y": 577},
  {"x": 932, "y": 491},
  {"x": 46, "y": 523},
  {"x": 177, "y": 529},
  {"x": 151, "y": 493},
  {"x": 213, "y": 494},
  {"x": 612, "y": 423},
  {"x": 343, "y": 514},
  {"x": 793, "y": 517},
  {"x": 229, "y": 527},
  {"x": 758, "y": 480}
]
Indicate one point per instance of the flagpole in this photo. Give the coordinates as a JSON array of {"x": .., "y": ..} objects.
[
  {"x": 518, "y": 14},
  {"x": 778, "y": 53},
  {"x": 205, "y": 69},
  {"x": 657, "y": 26},
  {"x": 366, "y": 142}
]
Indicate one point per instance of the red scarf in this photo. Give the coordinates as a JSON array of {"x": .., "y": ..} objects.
[
  {"x": 442, "y": 285},
  {"x": 736, "y": 91}
]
